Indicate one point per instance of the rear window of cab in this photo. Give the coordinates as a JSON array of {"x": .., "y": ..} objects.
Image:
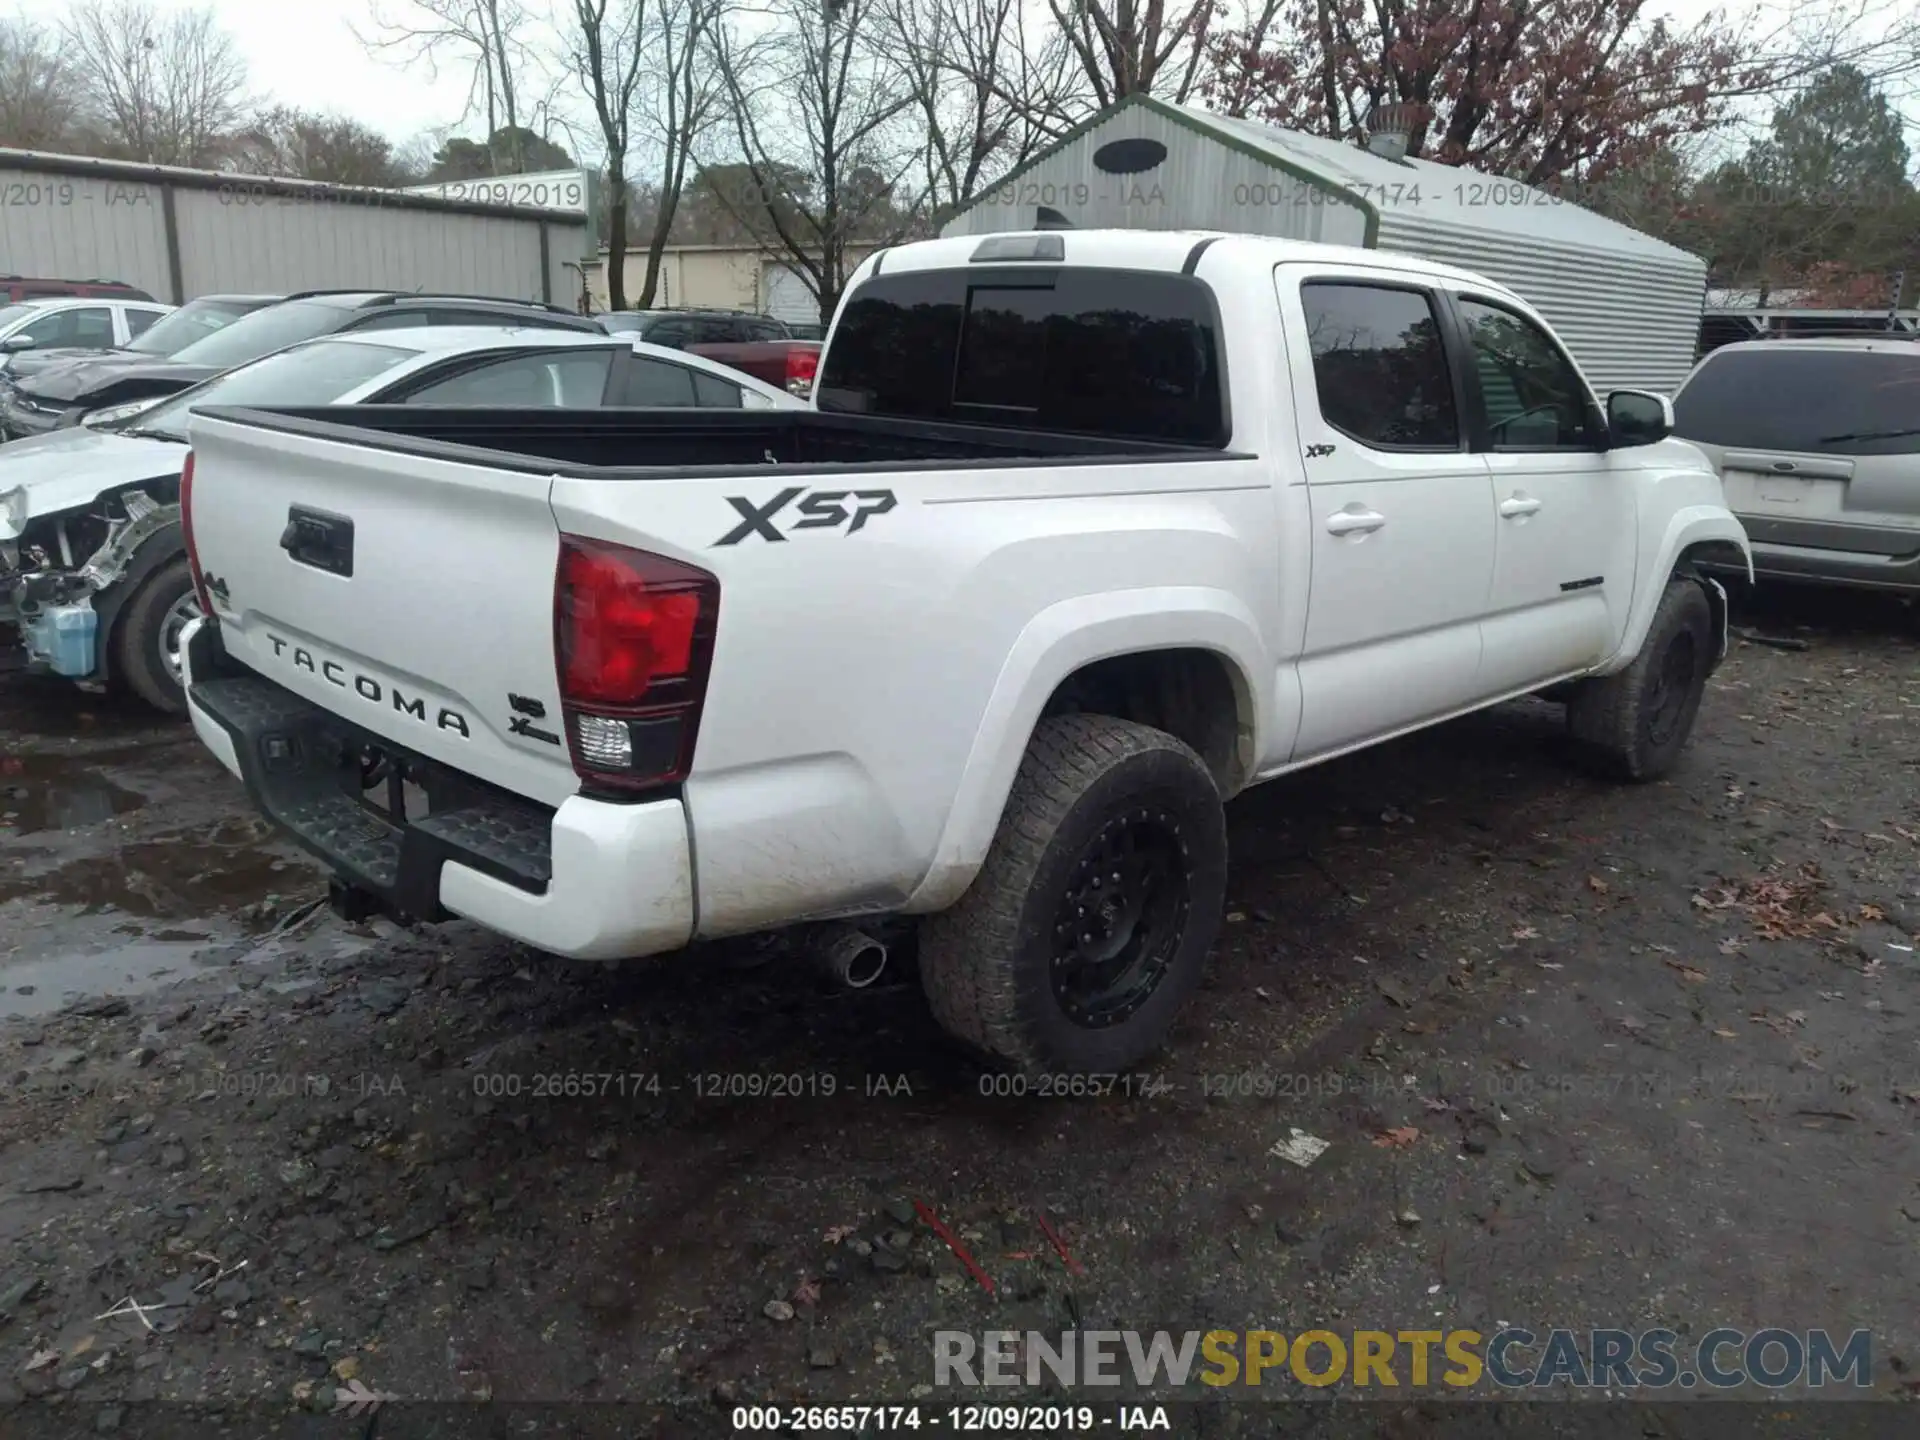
[{"x": 1128, "y": 354}]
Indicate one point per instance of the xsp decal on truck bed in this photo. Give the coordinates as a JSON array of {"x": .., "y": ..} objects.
[{"x": 822, "y": 510}]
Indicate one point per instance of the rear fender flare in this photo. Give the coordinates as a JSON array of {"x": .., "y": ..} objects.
[{"x": 1060, "y": 640}]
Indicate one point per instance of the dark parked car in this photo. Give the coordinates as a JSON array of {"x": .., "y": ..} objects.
[
  {"x": 677, "y": 329},
  {"x": 62, "y": 396},
  {"x": 171, "y": 333},
  {"x": 25, "y": 287}
]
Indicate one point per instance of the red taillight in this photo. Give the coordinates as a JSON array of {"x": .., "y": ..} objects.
[
  {"x": 803, "y": 364},
  {"x": 186, "y": 534},
  {"x": 633, "y": 634}
]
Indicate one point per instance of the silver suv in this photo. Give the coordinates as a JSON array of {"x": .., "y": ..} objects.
[{"x": 1818, "y": 447}]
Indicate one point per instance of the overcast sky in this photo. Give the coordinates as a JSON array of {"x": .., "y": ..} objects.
[{"x": 304, "y": 53}]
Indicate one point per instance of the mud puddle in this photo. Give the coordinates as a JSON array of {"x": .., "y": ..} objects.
[
  {"x": 42, "y": 986},
  {"x": 189, "y": 875},
  {"x": 40, "y": 793}
]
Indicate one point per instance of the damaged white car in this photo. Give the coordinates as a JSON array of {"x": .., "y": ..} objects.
[{"x": 93, "y": 570}]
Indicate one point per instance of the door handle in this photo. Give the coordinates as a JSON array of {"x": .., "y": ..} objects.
[
  {"x": 1517, "y": 505},
  {"x": 1354, "y": 521}
]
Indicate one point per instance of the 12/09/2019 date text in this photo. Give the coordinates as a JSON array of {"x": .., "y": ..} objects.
[{"x": 957, "y": 1419}]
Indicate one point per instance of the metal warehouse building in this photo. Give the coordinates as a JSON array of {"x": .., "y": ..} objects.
[
  {"x": 179, "y": 233},
  {"x": 1627, "y": 305}
]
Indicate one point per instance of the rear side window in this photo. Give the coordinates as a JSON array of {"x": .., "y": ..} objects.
[
  {"x": 1380, "y": 365},
  {"x": 1105, "y": 352},
  {"x": 1833, "y": 402},
  {"x": 655, "y": 382},
  {"x": 713, "y": 392},
  {"x": 140, "y": 321}
]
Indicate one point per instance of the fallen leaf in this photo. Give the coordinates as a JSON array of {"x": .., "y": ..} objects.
[
  {"x": 1732, "y": 945},
  {"x": 807, "y": 1292},
  {"x": 1525, "y": 932},
  {"x": 42, "y": 1359},
  {"x": 1725, "y": 1034},
  {"x": 1597, "y": 885},
  {"x": 1421, "y": 1027},
  {"x": 1872, "y": 912},
  {"x": 347, "y": 1366},
  {"x": 1434, "y": 1104},
  {"x": 837, "y": 1233},
  {"x": 1397, "y": 1139},
  {"x": 1687, "y": 972},
  {"x": 1825, "y": 921}
]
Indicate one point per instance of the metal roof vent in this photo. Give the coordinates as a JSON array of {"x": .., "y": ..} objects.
[{"x": 1390, "y": 129}]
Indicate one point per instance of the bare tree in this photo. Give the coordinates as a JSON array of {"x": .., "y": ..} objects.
[
  {"x": 40, "y": 92},
  {"x": 1138, "y": 47},
  {"x": 310, "y": 146},
  {"x": 605, "y": 53},
  {"x": 818, "y": 103},
  {"x": 488, "y": 35},
  {"x": 685, "y": 96},
  {"x": 987, "y": 90},
  {"x": 168, "y": 90}
]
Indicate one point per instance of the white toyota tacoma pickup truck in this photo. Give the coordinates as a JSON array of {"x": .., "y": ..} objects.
[{"x": 1088, "y": 532}]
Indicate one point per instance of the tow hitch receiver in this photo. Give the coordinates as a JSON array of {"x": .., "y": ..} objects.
[{"x": 350, "y": 902}]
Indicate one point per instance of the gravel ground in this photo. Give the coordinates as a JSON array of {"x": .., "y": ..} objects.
[{"x": 1584, "y": 1056}]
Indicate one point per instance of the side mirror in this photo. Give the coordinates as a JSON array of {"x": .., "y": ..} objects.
[
  {"x": 1637, "y": 417},
  {"x": 17, "y": 342}
]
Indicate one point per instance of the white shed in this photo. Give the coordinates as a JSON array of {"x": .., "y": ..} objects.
[{"x": 1627, "y": 305}]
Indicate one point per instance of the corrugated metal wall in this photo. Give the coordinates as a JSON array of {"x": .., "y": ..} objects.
[
  {"x": 1201, "y": 185},
  {"x": 237, "y": 242},
  {"x": 1631, "y": 321},
  {"x": 240, "y": 237},
  {"x": 81, "y": 228}
]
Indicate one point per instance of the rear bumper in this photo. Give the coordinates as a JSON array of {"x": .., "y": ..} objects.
[
  {"x": 1863, "y": 556},
  {"x": 592, "y": 879}
]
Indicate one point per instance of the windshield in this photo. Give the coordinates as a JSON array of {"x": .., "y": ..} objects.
[
  {"x": 263, "y": 332},
  {"x": 315, "y": 374},
  {"x": 188, "y": 325}
]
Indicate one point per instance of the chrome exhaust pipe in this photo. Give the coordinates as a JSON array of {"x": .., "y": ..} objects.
[{"x": 854, "y": 959}]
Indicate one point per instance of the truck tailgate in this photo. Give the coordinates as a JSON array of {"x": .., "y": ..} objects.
[{"x": 411, "y": 595}]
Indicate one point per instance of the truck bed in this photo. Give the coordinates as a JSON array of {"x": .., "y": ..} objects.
[{"x": 643, "y": 444}]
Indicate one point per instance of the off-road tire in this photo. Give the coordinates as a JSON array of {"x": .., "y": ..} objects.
[
  {"x": 1634, "y": 724},
  {"x": 136, "y": 638},
  {"x": 988, "y": 963}
]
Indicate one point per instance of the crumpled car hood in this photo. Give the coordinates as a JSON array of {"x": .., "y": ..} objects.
[
  {"x": 68, "y": 468},
  {"x": 27, "y": 363},
  {"x": 84, "y": 379}
]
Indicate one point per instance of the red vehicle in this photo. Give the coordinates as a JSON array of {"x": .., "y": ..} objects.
[
  {"x": 21, "y": 287},
  {"x": 789, "y": 364}
]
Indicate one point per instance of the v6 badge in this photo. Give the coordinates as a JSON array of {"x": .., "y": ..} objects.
[{"x": 821, "y": 510}]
